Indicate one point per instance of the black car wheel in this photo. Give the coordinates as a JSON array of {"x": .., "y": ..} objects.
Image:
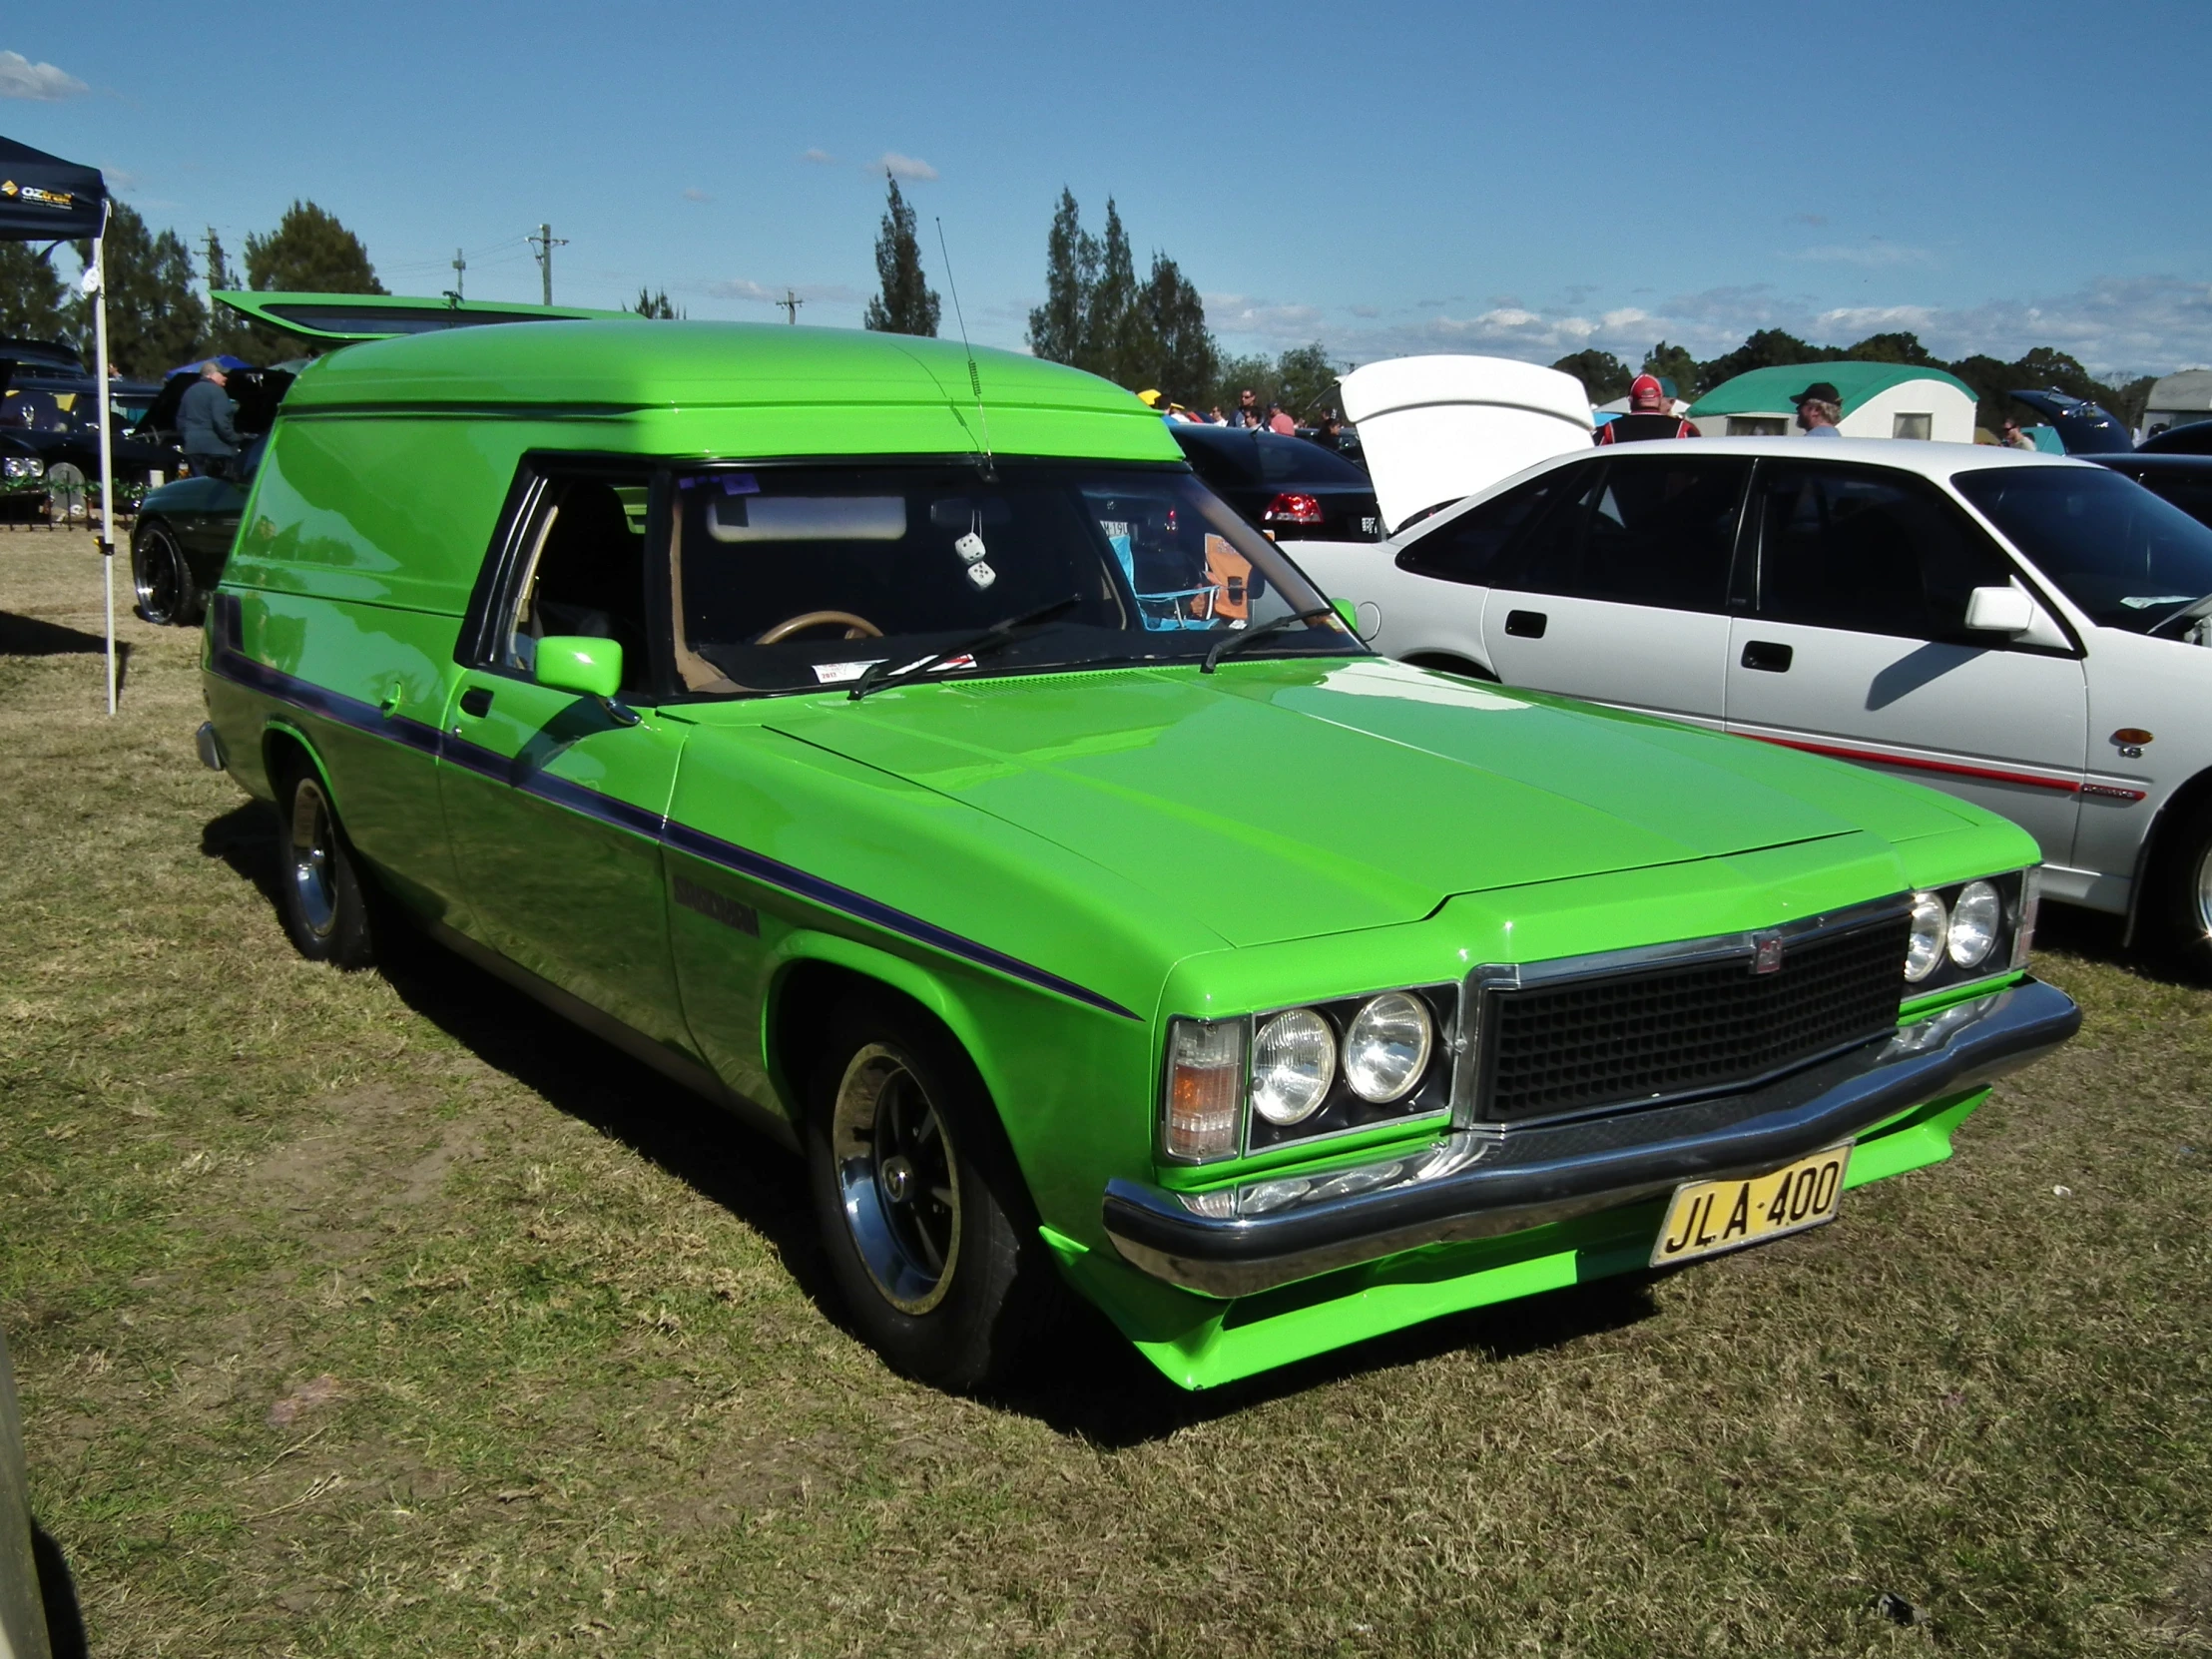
[
  {"x": 918, "y": 1197},
  {"x": 321, "y": 892},
  {"x": 2179, "y": 903},
  {"x": 167, "y": 595}
]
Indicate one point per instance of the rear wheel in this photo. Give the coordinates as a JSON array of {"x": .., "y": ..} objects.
[
  {"x": 2180, "y": 900},
  {"x": 923, "y": 1213},
  {"x": 167, "y": 595},
  {"x": 320, "y": 889}
]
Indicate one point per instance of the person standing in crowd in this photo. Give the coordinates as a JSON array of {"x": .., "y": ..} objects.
[
  {"x": 1650, "y": 416},
  {"x": 2010, "y": 435},
  {"x": 204, "y": 422},
  {"x": 1278, "y": 420},
  {"x": 1248, "y": 411},
  {"x": 1819, "y": 408}
]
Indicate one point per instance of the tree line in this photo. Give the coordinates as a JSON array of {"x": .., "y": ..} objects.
[
  {"x": 156, "y": 318},
  {"x": 1605, "y": 377}
]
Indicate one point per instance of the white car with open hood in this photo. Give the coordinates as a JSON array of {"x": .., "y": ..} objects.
[{"x": 2025, "y": 631}]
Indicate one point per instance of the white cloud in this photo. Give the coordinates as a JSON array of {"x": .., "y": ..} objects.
[
  {"x": 902, "y": 166},
  {"x": 21, "y": 77},
  {"x": 1872, "y": 251},
  {"x": 820, "y": 158},
  {"x": 1858, "y": 322},
  {"x": 740, "y": 287},
  {"x": 1368, "y": 312}
]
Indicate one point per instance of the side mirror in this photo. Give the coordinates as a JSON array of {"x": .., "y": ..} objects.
[
  {"x": 1999, "y": 611},
  {"x": 580, "y": 664}
]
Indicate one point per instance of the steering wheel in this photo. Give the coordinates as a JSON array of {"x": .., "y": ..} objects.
[{"x": 855, "y": 627}]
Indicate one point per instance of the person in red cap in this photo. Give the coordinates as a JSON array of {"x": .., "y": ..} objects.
[{"x": 1649, "y": 415}]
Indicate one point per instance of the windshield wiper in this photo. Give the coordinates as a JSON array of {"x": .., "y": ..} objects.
[
  {"x": 996, "y": 637},
  {"x": 1274, "y": 625}
]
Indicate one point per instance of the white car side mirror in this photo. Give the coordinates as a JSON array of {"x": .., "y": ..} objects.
[{"x": 1999, "y": 611}]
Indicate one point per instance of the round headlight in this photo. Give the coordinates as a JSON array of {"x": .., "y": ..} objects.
[
  {"x": 1975, "y": 920},
  {"x": 1386, "y": 1046},
  {"x": 1930, "y": 925},
  {"x": 1294, "y": 1060}
]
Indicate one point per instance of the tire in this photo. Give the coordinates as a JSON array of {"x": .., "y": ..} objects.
[
  {"x": 166, "y": 594},
  {"x": 321, "y": 892},
  {"x": 928, "y": 1226},
  {"x": 2181, "y": 892}
]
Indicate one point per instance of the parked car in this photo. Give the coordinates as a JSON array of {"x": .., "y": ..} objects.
[
  {"x": 185, "y": 528},
  {"x": 926, "y": 805},
  {"x": 2022, "y": 630},
  {"x": 2192, "y": 439},
  {"x": 2180, "y": 477},
  {"x": 2085, "y": 428},
  {"x": 1291, "y": 488},
  {"x": 23, "y": 1627},
  {"x": 50, "y": 428}
]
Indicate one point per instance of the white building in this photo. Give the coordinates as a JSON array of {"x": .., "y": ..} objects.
[
  {"x": 2177, "y": 399},
  {"x": 1881, "y": 400}
]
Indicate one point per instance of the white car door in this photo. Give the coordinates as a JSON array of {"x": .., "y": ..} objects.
[
  {"x": 1856, "y": 646},
  {"x": 1620, "y": 593}
]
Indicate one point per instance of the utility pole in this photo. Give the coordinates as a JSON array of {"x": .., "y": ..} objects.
[
  {"x": 460, "y": 271},
  {"x": 790, "y": 304},
  {"x": 543, "y": 245}
]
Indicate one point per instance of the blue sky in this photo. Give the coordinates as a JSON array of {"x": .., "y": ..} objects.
[{"x": 1383, "y": 178}]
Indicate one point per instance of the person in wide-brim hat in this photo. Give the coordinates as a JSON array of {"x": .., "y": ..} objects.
[{"x": 1820, "y": 407}]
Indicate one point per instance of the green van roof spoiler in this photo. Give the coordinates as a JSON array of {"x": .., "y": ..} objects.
[{"x": 346, "y": 319}]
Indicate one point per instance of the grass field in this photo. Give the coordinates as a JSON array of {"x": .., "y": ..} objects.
[{"x": 372, "y": 1316}]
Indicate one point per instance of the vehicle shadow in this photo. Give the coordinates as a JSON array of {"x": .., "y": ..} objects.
[
  {"x": 2098, "y": 937},
  {"x": 57, "y": 1589},
  {"x": 1085, "y": 1380},
  {"x": 1094, "y": 1386}
]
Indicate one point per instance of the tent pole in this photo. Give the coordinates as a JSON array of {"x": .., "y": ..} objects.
[{"x": 107, "y": 439}]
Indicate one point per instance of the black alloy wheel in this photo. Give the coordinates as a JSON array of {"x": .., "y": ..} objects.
[
  {"x": 320, "y": 889},
  {"x": 918, "y": 1197},
  {"x": 166, "y": 596}
]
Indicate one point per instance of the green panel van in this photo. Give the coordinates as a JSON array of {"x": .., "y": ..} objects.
[{"x": 904, "y": 749}]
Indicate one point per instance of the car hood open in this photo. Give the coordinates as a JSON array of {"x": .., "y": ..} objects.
[
  {"x": 1439, "y": 430},
  {"x": 1289, "y": 800}
]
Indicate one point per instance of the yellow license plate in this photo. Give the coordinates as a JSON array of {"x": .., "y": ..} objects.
[{"x": 1708, "y": 1217}]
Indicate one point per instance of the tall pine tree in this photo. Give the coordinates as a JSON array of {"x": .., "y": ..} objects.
[
  {"x": 1185, "y": 358},
  {"x": 908, "y": 304},
  {"x": 155, "y": 318},
  {"x": 1070, "y": 271}
]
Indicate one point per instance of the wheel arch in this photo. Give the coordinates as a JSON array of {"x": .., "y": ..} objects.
[
  {"x": 1452, "y": 662},
  {"x": 2175, "y": 810},
  {"x": 285, "y": 746},
  {"x": 821, "y": 971}
]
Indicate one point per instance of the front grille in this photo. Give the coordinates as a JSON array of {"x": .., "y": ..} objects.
[{"x": 1635, "y": 1038}]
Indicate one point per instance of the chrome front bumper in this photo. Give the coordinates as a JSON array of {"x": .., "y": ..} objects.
[{"x": 1481, "y": 1182}]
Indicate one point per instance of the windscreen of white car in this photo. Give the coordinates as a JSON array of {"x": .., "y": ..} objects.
[
  {"x": 798, "y": 577},
  {"x": 2126, "y": 557}
]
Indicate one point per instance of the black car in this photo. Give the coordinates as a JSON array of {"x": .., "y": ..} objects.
[
  {"x": 2190, "y": 439},
  {"x": 2086, "y": 430},
  {"x": 185, "y": 528},
  {"x": 1289, "y": 487},
  {"x": 50, "y": 427},
  {"x": 2184, "y": 479}
]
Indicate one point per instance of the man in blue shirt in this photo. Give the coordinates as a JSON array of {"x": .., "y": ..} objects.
[{"x": 204, "y": 424}]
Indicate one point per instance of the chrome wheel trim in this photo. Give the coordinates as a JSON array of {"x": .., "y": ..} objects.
[
  {"x": 899, "y": 1179},
  {"x": 313, "y": 880},
  {"x": 159, "y": 566}
]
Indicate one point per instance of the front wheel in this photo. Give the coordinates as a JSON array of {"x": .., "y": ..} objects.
[
  {"x": 166, "y": 596},
  {"x": 2179, "y": 903},
  {"x": 918, "y": 1199},
  {"x": 321, "y": 891}
]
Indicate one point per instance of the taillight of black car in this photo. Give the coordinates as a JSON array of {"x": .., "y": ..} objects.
[{"x": 1289, "y": 508}]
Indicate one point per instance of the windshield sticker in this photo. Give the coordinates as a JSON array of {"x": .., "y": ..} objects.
[
  {"x": 836, "y": 674},
  {"x": 2137, "y": 603}
]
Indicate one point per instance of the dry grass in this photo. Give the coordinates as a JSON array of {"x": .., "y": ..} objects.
[{"x": 373, "y": 1316}]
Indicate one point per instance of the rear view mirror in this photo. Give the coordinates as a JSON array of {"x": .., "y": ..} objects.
[
  {"x": 577, "y": 663},
  {"x": 1999, "y": 611}
]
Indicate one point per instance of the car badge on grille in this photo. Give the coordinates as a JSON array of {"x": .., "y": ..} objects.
[{"x": 1766, "y": 953}]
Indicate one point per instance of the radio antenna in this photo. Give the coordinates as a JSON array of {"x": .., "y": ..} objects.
[{"x": 975, "y": 380}]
